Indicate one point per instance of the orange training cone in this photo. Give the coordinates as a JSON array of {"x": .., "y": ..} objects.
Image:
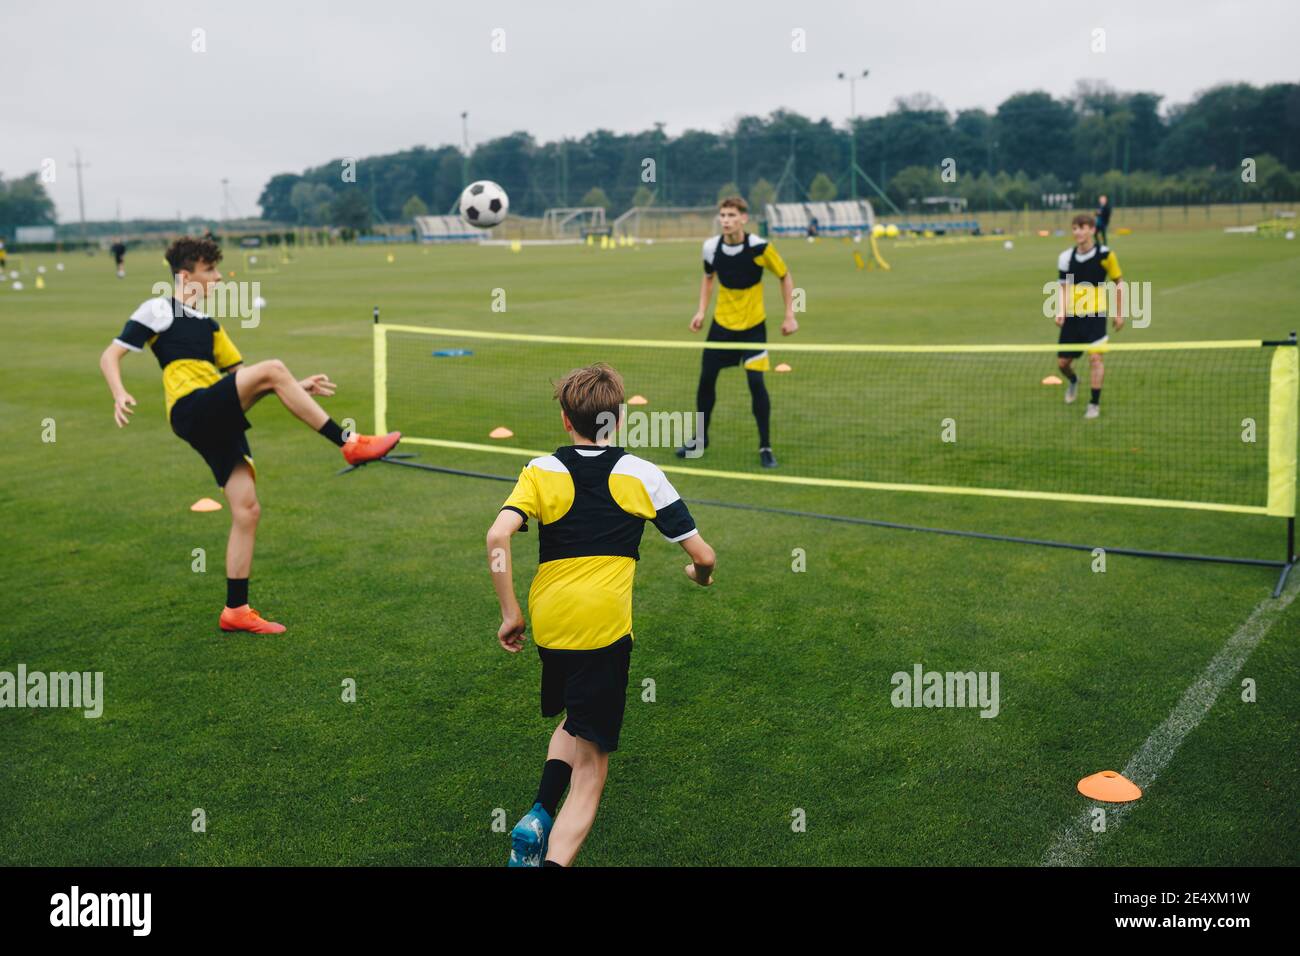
[
  {"x": 1052, "y": 380},
  {"x": 638, "y": 400},
  {"x": 783, "y": 367},
  {"x": 206, "y": 504},
  {"x": 501, "y": 432},
  {"x": 1110, "y": 787}
]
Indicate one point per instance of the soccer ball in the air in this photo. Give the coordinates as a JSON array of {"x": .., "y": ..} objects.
[{"x": 484, "y": 204}]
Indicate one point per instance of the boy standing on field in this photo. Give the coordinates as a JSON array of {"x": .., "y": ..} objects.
[
  {"x": 1085, "y": 271},
  {"x": 591, "y": 501}
]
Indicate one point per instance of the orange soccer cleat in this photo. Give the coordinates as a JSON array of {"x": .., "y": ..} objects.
[
  {"x": 246, "y": 619},
  {"x": 360, "y": 449}
]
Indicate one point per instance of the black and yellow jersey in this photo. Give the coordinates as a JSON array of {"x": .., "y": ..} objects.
[
  {"x": 591, "y": 504},
  {"x": 739, "y": 269},
  {"x": 1088, "y": 273},
  {"x": 192, "y": 349}
]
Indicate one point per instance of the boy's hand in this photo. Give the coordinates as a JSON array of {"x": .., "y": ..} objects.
[
  {"x": 122, "y": 409},
  {"x": 511, "y": 633},
  {"x": 1060, "y": 320},
  {"x": 690, "y": 573},
  {"x": 697, "y": 321},
  {"x": 318, "y": 385},
  {"x": 1119, "y": 322},
  {"x": 791, "y": 325}
]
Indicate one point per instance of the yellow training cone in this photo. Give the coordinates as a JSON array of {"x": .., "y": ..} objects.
[
  {"x": 858, "y": 260},
  {"x": 501, "y": 432},
  {"x": 40, "y": 282},
  {"x": 206, "y": 504},
  {"x": 1110, "y": 787},
  {"x": 638, "y": 400},
  {"x": 392, "y": 258},
  {"x": 783, "y": 368},
  {"x": 515, "y": 245},
  {"x": 1052, "y": 380}
]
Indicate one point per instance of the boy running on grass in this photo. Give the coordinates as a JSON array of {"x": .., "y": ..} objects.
[
  {"x": 208, "y": 389},
  {"x": 591, "y": 501},
  {"x": 1083, "y": 272}
]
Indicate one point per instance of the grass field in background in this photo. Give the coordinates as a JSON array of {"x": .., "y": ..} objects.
[{"x": 772, "y": 689}]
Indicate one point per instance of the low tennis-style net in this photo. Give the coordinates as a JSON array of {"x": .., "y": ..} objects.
[{"x": 1199, "y": 425}]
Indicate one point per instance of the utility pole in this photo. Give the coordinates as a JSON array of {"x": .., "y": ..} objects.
[
  {"x": 464, "y": 131},
  {"x": 853, "y": 132},
  {"x": 78, "y": 165}
]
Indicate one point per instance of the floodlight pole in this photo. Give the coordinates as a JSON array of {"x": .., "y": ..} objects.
[
  {"x": 853, "y": 133},
  {"x": 464, "y": 132},
  {"x": 78, "y": 165}
]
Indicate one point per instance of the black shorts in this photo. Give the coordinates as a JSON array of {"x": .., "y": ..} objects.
[
  {"x": 1082, "y": 330},
  {"x": 725, "y": 358},
  {"x": 213, "y": 422},
  {"x": 591, "y": 686}
]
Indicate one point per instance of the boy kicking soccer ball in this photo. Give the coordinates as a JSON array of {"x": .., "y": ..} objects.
[
  {"x": 208, "y": 389},
  {"x": 591, "y": 501}
]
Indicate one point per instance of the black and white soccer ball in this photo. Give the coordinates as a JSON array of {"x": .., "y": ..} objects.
[{"x": 484, "y": 204}]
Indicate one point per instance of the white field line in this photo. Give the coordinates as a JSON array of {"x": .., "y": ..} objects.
[{"x": 1077, "y": 840}]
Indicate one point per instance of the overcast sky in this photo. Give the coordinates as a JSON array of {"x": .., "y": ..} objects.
[{"x": 283, "y": 86}]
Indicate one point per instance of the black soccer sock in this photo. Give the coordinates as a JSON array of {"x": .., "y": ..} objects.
[
  {"x": 332, "y": 431},
  {"x": 760, "y": 403},
  {"x": 236, "y": 592},
  {"x": 555, "y": 780},
  {"x": 706, "y": 396},
  {"x": 1096, "y": 396},
  {"x": 552, "y": 863},
  {"x": 1069, "y": 374}
]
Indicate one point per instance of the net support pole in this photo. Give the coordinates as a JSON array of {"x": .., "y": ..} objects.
[
  {"x": 1283, "y": 410},
  {"x": 381, "y": 376}
]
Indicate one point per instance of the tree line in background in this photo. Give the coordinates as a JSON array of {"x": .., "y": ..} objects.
[{"x": 1033, "y": 145}]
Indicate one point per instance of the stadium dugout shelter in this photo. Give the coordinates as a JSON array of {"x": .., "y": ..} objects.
[
  {"x": 439, "y": 229},
  {"x": 964, "y": 420},
  {"x": 843, "y": 218}
]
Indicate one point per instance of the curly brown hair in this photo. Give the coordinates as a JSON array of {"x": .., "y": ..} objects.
[{"x": 187, "y": 252}]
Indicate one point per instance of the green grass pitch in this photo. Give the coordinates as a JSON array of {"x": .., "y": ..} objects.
[{"x": 772, "y": 689}]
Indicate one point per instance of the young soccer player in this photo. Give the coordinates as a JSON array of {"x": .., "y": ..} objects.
[
  {"x": 1103, "y": 218},
  {"x": 738, "y": 259},
  {"x": 1084, "y": 270},
  {"x": 119, "y": 256},
  {"x": 208, "y": 389},
  {"x": 591, "y": 501}
]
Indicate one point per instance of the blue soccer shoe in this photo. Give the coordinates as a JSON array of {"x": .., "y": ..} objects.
[{"x": 528, "y": 838}]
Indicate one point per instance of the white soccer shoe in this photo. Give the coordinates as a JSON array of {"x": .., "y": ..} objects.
[
  {"x": 1093, "y": 411},
  {"x": 1072, "y": 392}
]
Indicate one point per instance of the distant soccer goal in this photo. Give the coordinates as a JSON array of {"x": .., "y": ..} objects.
[
  {"x": 668, "y": 222},
  {"x": 574, "y": 222},
  {"x": 261, "y": 261}
]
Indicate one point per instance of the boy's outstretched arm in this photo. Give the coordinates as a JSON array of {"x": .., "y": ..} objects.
[
  {"x": 703, "y": 560},
  {"x": 511, "y": 633},
  {"x": 110, "y": 363}
]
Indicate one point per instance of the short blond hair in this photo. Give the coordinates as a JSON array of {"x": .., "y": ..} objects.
[{"x": 587, "y": 393}]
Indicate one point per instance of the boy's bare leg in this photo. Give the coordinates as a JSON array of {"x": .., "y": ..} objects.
[
  {"x": 561, "y": 745},
  {"x": 241, "y": 493},
  {"x": 254, "y": 381},
  {"x": 1097, "y": 371},
  {"x": 590, "y": 765}
]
